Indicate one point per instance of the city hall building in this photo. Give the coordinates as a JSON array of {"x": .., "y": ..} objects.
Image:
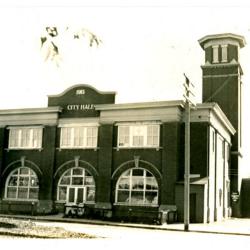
[{"x": 127, "y": 160}]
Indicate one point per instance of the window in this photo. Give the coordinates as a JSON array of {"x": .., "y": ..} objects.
[
  {"x": 215, "y": 54},
  {"x": 153, "y": 135},
  {"x": 143, "y": 135},
  {"x": 76, "y": 185},
  {"x": 224, "y": 53},
  {"x": 22, "y": 184},
  {"x": 137, "y": 186},
  {"x": 27, "y": 138},
  {"x": 79, "y": 137}
]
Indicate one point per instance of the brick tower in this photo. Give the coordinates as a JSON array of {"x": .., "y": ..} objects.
[{"x": 222, "y": 84}]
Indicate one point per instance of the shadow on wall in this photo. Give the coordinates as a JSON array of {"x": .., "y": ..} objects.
[{"x": 245, "y": 197}]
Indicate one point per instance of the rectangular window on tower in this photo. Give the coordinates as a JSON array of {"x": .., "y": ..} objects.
[
  {"x": 215, "y": 53},
  {"x": 224, "y": 53}
]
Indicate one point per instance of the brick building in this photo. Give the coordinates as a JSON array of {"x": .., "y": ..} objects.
[{"x": 124, "y": 160}]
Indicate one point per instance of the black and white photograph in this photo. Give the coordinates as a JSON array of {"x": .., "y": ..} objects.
[{"x": 124, "y": 124}]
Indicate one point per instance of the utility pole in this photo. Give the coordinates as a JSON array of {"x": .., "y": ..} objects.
[{"x": 188, "y": 104}]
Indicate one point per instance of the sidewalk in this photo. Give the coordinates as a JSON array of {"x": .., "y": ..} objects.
[{"x": 236, "y": 226}]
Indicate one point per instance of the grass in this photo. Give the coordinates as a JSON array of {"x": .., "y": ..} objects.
[{"x": 28, "y": 229}]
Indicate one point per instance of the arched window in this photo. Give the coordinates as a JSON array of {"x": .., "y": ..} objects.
[
  {"x": 76, "y": 185},
  {"x": 22, "y": 184},
  {"x": 137, "y": 186}
]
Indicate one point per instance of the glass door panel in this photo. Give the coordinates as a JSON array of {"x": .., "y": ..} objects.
[
  {"x": 71, "y": 195},
  {"x": 80, "y": 194}
]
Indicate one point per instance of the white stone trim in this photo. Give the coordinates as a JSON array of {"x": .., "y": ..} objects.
[
  {"x": 161, "y": 114},
  {"x": 137, "y": 123},
  {"x": 218, "y": 76},
  {"x": 28, "y": 119},
  {"x": 47, "y": 110},
  {"x": 30, "y": 116},
  {"x": 225, "y": 37},
  {"x": 221, "y": 42},
  {"x": 139, "y": 105},
  {"x": 78, "y": 122},
  {"x": 211, "y": 113},
  {"x": 25, "y": 126}
]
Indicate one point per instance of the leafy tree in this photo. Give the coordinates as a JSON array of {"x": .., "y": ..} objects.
[{"x": 50, "y": 45}]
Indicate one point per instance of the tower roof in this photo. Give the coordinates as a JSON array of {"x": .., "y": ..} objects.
[{"x": 234, "y": 37}]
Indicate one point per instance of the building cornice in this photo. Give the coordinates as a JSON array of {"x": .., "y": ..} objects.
[
  {"x": 29, "y": 116},
  {"x": 141, "y": 105},
  {"x": 233, "y": 63},
  {"x": 30, "y": 111},
  {"x": 214, "y": 107},
  {"x": 164, "y": 111}
]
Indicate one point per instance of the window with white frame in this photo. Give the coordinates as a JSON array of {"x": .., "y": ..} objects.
[
  {"x": 137, "y": 186},
  {"x": 76, "y": 185},
  {"x": 138, "y": 135},
  {"x": 22, "y": 184},
  {"x": 79, "y": 137},
  {"x": 215, "y": 53},
  {"x": 25, "y": 137},
  {"x": 224, "y": 53}
]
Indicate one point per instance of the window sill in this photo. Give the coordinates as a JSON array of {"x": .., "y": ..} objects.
[
  {"x": 132, "y": 148},
  {"x": 136, "y": 205},
  {"x": 74, "y": 148},
  {"x": 86, "y": 202},
  {"x": 19, "y": 200},
  {"x": 18, "y": 149}
]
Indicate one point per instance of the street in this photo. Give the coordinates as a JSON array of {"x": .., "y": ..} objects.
[{"x": 113, "y": 237}]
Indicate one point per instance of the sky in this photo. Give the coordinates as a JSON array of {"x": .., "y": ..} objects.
[{"x": 146, "y": 47}]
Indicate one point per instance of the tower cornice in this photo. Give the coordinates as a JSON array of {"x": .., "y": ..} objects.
[
  {"x": 224, "y": 36},
  {"x": 233, "y": 63}
]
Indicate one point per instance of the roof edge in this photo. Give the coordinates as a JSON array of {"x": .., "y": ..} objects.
[
  {"x": 239, "y": 38},
  {"x": 219, "y": 113},
  {"x": 53, "y": 109}
]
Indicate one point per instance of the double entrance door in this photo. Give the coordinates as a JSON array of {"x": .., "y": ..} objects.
[{"x": 76, "y": 195}]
